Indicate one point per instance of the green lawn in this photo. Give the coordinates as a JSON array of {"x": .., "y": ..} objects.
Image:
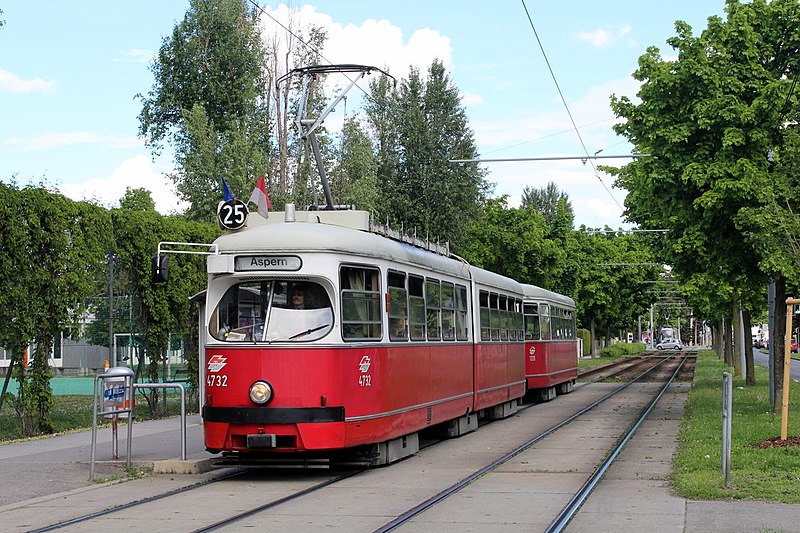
[
  {"x": 71, "y": 412},
  {"x": 756, "y": 473}
]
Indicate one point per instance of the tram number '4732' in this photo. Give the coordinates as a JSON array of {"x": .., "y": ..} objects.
[
  {"x": 365, "y": 380},
  {"x": 217, "y": 380}
]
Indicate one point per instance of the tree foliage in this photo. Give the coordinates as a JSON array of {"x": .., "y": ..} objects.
[
  {"x": 159, "y": 310},
  {"x": 551, "y": 203},
  {"x": 709, "y": 121},
  {"x": 51, "y": 268},
  {"x": 207, "y": 102},
  {"x": 419, "y": 127}
]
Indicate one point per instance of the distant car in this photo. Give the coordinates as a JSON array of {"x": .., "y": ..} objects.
[{"x": 670, "y": 344}]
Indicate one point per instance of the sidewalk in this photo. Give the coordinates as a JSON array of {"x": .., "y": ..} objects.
[{"x": 52, "y": 465}]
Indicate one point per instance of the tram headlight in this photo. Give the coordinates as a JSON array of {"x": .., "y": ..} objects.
[{"x": 260, "y": 392}]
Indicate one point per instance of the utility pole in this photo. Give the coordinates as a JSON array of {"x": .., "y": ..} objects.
[{"x": 112, "y": 356}]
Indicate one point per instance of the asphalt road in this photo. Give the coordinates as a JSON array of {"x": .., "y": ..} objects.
[{"x": 762, "y": 358}]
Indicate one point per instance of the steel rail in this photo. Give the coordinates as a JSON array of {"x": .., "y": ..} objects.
[
  {"x": 432, "y": 501},
  {"x": 136, "y": 503},
  {"x": 572, "y": 507}
]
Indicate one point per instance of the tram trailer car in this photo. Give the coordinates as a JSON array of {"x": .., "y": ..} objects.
[
  {"x": 551, "y": 344},
  {"x": 321, "y": 336}
]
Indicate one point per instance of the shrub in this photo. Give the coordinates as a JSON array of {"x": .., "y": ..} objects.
[
  {"x": 622, "y": 349},
  {"x": 587, "y": 341}
]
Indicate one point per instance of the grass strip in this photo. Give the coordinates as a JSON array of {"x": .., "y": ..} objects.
[{"x": 756, "y": 473}]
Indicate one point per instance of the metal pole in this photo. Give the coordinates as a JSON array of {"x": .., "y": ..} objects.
[
  {"x": 114, "y": 438},
  {"x": 639, "y": 323},
  {"x": 727, "y": 404},
  {"x": 183, "y": 407},
  {"x": 112, "y": 356},
  {"x": 131, "y": 406},
  {"x": 94, "y": 429}
]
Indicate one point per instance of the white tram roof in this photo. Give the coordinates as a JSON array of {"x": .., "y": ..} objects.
[
  {"x": 532, "y": 292},
  {"x": 347, "y": 233}
]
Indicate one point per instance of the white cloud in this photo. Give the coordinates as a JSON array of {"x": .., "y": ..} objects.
[
  {"x": 603, "y": 37},
  {"x": 136, "y": 172},
  {"x": 49, "y": 140},
  {"x": 134, "y": 55},
  {"x": 388, "y": 48},
  {"x": 551, "y": 134},
  {"x": 471, "y": 99},
  {"x": 11, "y": 83},
  {"x": 592, "y": 114}
]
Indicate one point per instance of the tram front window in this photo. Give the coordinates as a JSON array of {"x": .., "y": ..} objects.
[{"x": 273, "y": 311}]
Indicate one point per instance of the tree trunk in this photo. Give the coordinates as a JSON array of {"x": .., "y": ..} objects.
[
  {"x": 726, "y": 342},
  {"x": 750, "y": 373},
  {"x": 592, "y": 349}
]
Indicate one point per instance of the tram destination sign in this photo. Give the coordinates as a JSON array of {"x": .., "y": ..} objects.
[{"x": 245, "y": 263}]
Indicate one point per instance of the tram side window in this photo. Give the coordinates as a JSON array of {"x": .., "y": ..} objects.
[
  {"x": 514, "y": 331},
  {"x": 544, "y": 322},
  {"x": 462, "y": 326},
  {"x": 494, "y": 315},
  {"x": 532, "y": 331},
  {"x": 416, "y": 308},
  {"x": 503, "y": 313},
  {"x": 361, "y": 303},
  {"x": 485, "y": 316},
  {"x": 561, "y": 324},
  {"x": 571, "y": 322},
  {"x": 398, "y": 307},
  {"x": 520, "y": 321},
  {"x": 448, "y": 312},
  {"x": 565, "y": 327},
  {"x": 433, "y": 299}
]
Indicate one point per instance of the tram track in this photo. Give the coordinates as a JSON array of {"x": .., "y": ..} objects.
[
  {"x": 262, "y": 511},
  {"x": 563, "y": 518},
  {"x": 81, "y": 521}
]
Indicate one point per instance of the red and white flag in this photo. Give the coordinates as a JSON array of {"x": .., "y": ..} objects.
[{"x": 260, "y": 197}]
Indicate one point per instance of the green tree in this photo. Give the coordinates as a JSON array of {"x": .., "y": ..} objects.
[
  {"x": 611, "y": 281},
  {"x": 420, "y": 126},
  {"x": 355, "y": 178},
  {"x": 159, "y": 309},
  {"x": 512, "y": 242},
  {"x": 51, "y": 267},
  {"x": 550, "y": 202},
  {"x": 17, "y": 326},
  {"x": 207, "y": 102},
  {"x": 709, "y": 120}
]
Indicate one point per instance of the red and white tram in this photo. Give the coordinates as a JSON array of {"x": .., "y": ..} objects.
[
  {"x": 551, "y": 346},
  {"x": 320, "y": 336}
]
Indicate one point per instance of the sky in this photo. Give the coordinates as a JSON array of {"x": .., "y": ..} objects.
[{"x": 535, "y": 78}]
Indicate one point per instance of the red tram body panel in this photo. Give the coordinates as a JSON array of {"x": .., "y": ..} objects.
[
  {"x": 551, "y": 346},
  {"x": 320, "y": 335}
]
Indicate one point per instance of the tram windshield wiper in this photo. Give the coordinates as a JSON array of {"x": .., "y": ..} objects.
[{"x": 308, "y": 331}]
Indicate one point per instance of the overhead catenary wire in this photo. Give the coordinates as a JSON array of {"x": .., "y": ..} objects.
[{"x": 564, "y": 101}]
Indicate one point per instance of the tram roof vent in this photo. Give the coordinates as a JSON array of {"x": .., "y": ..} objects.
[{"x": 399, "y": 235}]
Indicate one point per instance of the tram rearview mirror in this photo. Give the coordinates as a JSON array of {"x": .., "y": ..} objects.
[{"x": 160, "y": 269}]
